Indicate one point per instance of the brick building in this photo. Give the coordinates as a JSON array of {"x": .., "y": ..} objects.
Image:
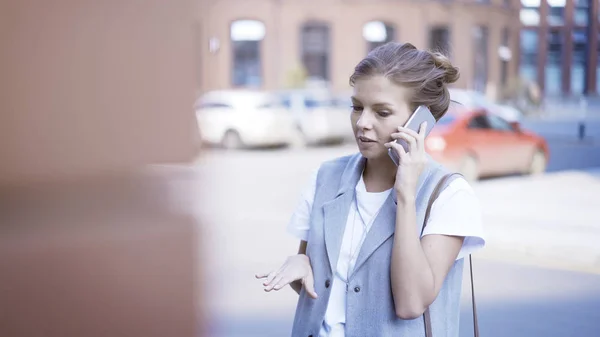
[
  {"x": 270, "y": 44},
  {"x": 559, "y": 46}
]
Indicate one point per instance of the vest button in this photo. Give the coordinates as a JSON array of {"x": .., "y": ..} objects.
[
  {"x": 327, "y": 284},
  {"x": 356, "y": 289}
]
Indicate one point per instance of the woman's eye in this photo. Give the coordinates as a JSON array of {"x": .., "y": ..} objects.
[
  {"x": 384, "y": 113},
  {"x": 357, "y": 108}
]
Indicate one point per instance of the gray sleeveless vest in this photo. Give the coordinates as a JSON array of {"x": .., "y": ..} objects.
[{"x": 369, "y": 301}]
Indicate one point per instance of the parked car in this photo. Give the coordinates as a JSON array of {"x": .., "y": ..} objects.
[
  {"x": 243, "y": 118},
  {"x": 477, "y": 144},
  {"x": 318, "y": 118}
]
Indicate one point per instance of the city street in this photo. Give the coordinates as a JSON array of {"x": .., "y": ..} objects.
[
  {"x": 568, "y": 151},
  {"x": 117, "y": 222},
  {"x": 539, "y": 275}
]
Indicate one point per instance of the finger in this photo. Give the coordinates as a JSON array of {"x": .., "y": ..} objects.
[
  {"x": 404, "y": 135},
  {"x": 421, "y": 139},
  {"x": 409, "y": 131},
  {"x": 261, "y": 275},
  {"x": 309, "y": 286},
  {"x": 271, "y": 276},
  {"x": 275, "y": 281},
  {"x": 398, "y": 148},
  {"x": 410, "y": 140},
  {"x": 423, "y": 129},
  {"x": 282, "y": 283}
]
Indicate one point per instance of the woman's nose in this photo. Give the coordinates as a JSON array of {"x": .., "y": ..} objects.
[{"x": 365, "y": 121}]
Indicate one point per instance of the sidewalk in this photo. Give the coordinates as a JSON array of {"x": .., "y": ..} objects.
[{"x": 550, "y": 220}]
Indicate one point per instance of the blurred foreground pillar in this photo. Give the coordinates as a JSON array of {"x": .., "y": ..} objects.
[
  {"x": 92, "y": 243},
  {"x": 112, "y": 256},
  {"x": 90, "y": 86}
]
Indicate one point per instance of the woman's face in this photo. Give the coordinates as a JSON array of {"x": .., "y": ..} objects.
[{"x": 379, "y": 107}]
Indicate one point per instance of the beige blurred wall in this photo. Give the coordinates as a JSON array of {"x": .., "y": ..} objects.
[
  {"x": 90, "y": 86},
  {"x": 91, "y": 243}
]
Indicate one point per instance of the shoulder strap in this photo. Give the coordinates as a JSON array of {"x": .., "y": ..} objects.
[{"x": 427, "y": 316}]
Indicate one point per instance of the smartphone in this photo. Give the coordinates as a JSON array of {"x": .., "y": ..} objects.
[{"x": 422, "y": 114}]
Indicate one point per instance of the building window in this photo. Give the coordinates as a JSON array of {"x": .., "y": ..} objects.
[
  {"x": 553, "y": 80},
  {"x": 439, "y": 39},
  {"x": 315, "y": 50},
  {"x": 378, "y": 33},
  {"x": 480, "y": 56},
  {"x": 578, "y": 77},
  {"x": 246, "y": 37},
  {"x": 556, "y": 12},
  {"x": 529, "y": 43},
  {"x": 530, "y": 12},
  {"x": 581, "y": 12},
  {"x": 505, "y": 55}
]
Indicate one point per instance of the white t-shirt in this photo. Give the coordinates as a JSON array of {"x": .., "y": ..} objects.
[{"x": 455, "y": 212}]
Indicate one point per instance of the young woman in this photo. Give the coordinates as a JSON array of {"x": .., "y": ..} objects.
[{"x": 365, "y": 267}]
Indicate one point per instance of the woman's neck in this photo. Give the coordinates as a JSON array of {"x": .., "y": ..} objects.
[{"x": 379, "y": 174}]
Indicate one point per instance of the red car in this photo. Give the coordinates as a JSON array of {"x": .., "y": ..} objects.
[{"x": 479, "y": 144}]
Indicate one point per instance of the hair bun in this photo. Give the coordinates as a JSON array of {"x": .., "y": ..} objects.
[{"x": 451, "y": 73}]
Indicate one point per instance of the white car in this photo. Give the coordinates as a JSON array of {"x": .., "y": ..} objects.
[
  {"x": 243, "y": 118},
  {"x": 318, "y": 118},
  {"x": 475, "y": 99}
]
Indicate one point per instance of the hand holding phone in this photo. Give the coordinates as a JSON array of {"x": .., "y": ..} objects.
[{"x": 422, "y": 114}]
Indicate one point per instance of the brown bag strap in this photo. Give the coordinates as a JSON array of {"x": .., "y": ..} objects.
[{"x": 427, "y": 316}]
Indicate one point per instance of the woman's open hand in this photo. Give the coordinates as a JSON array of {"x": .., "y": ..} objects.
[{"x": 296, "y": 267}]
